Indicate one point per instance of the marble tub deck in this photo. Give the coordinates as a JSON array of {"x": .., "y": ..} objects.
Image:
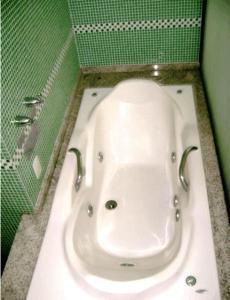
[{"x": 25, "y": 249}]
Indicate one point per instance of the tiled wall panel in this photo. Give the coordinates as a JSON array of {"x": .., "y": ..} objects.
[
  {"x": 38, "y": 56},
  {"x": 136, "y": 32}
]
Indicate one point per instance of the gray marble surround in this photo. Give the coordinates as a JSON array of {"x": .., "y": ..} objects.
[{"x": 25, "y": 249}]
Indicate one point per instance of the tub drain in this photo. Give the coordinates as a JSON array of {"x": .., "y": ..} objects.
[
  {"x": 111, "y": 204},
  {"x": 190, "y": 280}
]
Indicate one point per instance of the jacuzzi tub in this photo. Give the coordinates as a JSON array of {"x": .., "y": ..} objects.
[{"x": 125, "y": 225}]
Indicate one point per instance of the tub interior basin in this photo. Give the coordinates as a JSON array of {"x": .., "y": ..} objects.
[
  {"x": 143, "y": 223},
  {"x": 140, "y": 231},
  {"x": 136, "y": 130}
]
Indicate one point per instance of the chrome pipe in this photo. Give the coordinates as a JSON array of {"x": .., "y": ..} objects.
[
  {"x": 183, "y": 180},
  {"x": 78, "y": 181}
]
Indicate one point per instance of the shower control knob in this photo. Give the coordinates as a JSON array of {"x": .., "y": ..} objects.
[
  {"x": 31, "y": 101},
  {"x": 22, "y": 121}
]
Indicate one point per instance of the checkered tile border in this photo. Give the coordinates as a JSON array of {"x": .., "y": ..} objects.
[
  {"x": 12, "y": 164},
  {"x": 138, "y": 25}
]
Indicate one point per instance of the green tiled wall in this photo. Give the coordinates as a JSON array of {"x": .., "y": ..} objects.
[
  {"x": 33, "y": 36},
  {"x": 216, "y": 72},
  {"x": 136, "y": 32}
]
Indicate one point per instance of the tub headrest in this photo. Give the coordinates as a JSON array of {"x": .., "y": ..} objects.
[{"x": 138, "y": 91}]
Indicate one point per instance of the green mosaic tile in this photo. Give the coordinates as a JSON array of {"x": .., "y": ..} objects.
[
  {"x": 141, "y": 47},
  {"x": 36, "y": 45},
  {"x": 118, "y": 32},
  {"x": 33, "y": 36},
  {"x": 60, "y": 93},
  {"x": 104, "y": 11},
  {"x": 49, "y": 123}
]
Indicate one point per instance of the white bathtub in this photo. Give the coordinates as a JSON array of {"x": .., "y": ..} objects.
[{"x": 155, "y": 236}]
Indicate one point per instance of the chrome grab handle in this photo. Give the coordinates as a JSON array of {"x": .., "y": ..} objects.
[
  {"x": 79, "y": 168},
  {"x": 31, "y": 101},
  {"x": 182, "y": 178},
  {"x": 22, "y": 121}
]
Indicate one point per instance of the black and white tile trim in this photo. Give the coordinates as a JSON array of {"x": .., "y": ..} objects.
[
  {"x": 138, "y": 25},
  {"x": 12, "y": 164}
]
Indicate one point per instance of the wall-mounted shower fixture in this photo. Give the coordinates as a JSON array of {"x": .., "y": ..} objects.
[
  {"x": 22, "y": 121},
  {"x": 31, "y": 101}
]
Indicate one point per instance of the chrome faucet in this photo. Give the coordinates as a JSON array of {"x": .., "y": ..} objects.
[
  {"x": 31, "y": 101},
  {"x": 22, "y": 121},
  {"x": 182, "y": 178},
  {"x": 78, "y": 181},
  {"x": 28, "y": 101}
]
